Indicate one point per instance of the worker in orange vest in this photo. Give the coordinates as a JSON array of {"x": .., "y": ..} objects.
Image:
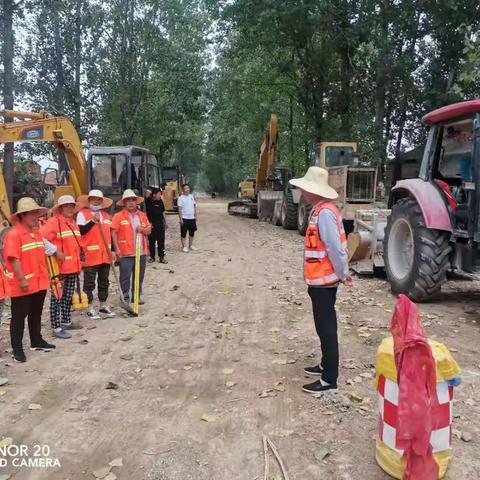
[
  {"x": 62, "y": 231},
  {"x": 26, "y": 276},
  {"x": 129, "y": 226},
  {"x": 325, "y": 266},
  {"x": 96, "y": 267}
]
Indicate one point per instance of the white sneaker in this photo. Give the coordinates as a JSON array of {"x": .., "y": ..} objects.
[
  {"x": 193, "y": 249},
  {"x": 185, "y": 249},
  {"x": 93, "y": 314},
  {"x": 106, "y": 310}
]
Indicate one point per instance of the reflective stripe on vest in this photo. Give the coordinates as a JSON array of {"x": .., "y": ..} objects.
[
  {"x": 10, "y": 275},
  {"x": 93, "y": 247},
  {"x": 68, "y": 233},
  {"x": 31, "y": 246}
]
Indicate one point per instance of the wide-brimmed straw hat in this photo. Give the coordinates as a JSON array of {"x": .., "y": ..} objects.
[
  {"x": 106, "y": 202},
  {"x": 129, "y": 194},
  {"x": 316, "y": 181},
  {"x": 27, "y": 204},
  {"x": 67, "y": 200}
]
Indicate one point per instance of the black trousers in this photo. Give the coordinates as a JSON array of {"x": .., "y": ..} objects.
[
  {"x": 30, "y": 307},
  {"x": 157, "y": 239},
  {"x": 325, "y": 316},
  {"x": 89, "y": 276}
]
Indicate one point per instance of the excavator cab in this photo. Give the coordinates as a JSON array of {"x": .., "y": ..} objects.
[{"x": 114, "y": 169}]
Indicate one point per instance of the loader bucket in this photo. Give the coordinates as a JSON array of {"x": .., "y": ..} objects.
[{"x": 365, "y": 243}]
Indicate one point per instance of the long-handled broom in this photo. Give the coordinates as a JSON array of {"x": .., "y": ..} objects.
[{"x": 136, "y": 275}]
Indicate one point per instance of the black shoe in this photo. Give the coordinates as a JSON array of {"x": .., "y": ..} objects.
[
  {"x": 19, "y": 356},
  {"x": 318, "y": 387},
  {"x": 43, "y": 345},
  {"x": 162, "y": 260},
  {"x": 151, "y": 260},
  {"x": 316, "y": 370}
]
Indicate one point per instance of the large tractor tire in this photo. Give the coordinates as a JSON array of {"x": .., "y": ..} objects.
[
  {"x": 303, "y": 215},
  {"x": 289, "y": 212},
  {"x": 416, "y": 258}
]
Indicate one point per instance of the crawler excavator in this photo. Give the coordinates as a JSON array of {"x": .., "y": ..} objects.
[
  {"x": 59, "y": 131},
  {"x": 258, "y": 197},
  {"x": 110, "y": 169}
]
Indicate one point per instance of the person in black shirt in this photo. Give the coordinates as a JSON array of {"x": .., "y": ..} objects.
[{"x": 156, "y": 215}]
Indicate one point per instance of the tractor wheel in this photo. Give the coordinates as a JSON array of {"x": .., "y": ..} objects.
[
  {"x": 416, "y": 258},
  {"x": 289, "y": 212},
  {"x": 302, "y": 217}
]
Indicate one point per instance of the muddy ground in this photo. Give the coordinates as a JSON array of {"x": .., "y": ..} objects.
[{"x": 221, "y": 328}]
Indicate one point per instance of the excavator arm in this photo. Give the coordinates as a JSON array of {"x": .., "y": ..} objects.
[
  {"x": 41, "y": 127},
  {"x": 267, "y": 156}
]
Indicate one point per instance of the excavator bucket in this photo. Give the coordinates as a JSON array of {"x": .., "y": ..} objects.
[{"x": 365, "y": 243}]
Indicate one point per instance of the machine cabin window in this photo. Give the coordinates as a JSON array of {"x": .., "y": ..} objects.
[{"x": 108, "y": 171}]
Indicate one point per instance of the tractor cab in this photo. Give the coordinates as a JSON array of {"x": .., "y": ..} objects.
[{"x": 452, "y": 162}]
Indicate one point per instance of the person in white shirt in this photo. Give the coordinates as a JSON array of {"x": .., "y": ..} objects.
[{"x": 187, "y": 213}]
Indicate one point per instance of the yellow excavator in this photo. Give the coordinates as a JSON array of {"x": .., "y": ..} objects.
[
  {"x": 172, "y": 181},
  {"x": 42, "y": 127},
  {"x": 110, "y": 169},
  {"x": 258, "y": 197}
]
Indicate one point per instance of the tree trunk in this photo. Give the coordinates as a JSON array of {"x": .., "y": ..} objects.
[
  {"x": 345, "y": 76},
  {"x": 406, "y": 88},
  {"x": 60, "y": 77},
  {"x": 382, "y": 77},
  {"x": 78, "y": 64},
  {"x": 290, "y": 136},
  {"x": 8, "y": 98}
]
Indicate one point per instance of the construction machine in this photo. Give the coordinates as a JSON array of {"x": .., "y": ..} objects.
[
  {"x": 110, "y": 169},
  {"x": 355, "y": 184},
  {"x": 114, "y": 169},
  {"x": 59, "y": 131},
  {"x": 172, "y": 181},
  {"x": 258, "y": 197},
  {"x": 434, "y": 222}
]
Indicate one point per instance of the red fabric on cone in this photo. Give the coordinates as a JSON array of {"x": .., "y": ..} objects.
[{"x": 416, "y": 378}]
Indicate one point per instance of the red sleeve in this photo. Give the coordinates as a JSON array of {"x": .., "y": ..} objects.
[
  {"x": 116, "y": 222},
  {"x": 12, "y": 245},
  {"x": 49, "y": 229}
]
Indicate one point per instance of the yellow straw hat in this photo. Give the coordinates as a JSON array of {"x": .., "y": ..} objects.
[
  {"x": 129, "y": 194},
  {"x": 316, "y": 181},
  {"x": 67, "y": 200},
  {"x": 27, "y": 204},
  {"x": 84, "y": 199}
]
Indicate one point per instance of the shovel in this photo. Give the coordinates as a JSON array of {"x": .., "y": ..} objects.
[{"x": 123, "y": 303}]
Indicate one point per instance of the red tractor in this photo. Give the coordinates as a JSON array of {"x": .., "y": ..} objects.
[{"x": 434, "y": 225}]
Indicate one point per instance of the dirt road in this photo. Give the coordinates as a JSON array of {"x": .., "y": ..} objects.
[{"x": 225, "y": 334}]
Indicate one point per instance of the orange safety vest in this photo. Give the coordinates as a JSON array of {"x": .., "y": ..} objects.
[
  {"x": 2, "y": 285},
  {"x": 95, "y": 251},
  {"x": 317, "y": 267},
  {"x": 29, "y": 249},
  {"x": 121, "y": 223},
  {"x": 65, "y": 235}
]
